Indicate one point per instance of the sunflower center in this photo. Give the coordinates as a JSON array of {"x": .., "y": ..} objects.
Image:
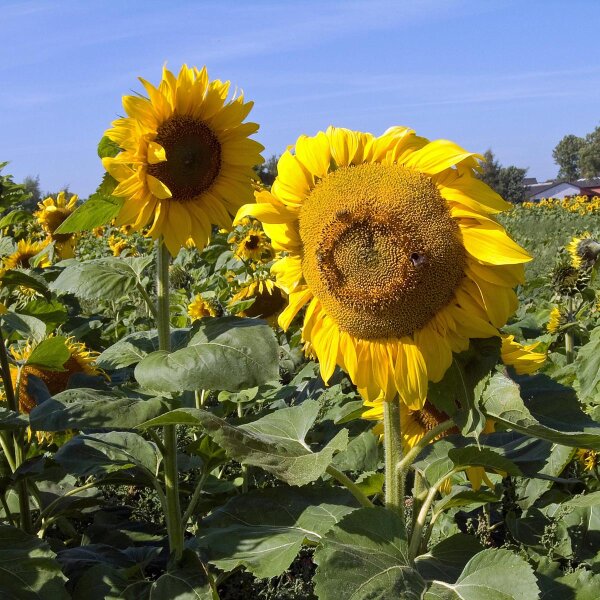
[
  {"x": 193, "y": 157},
  {"x": 380, "y": 249},
  {"x": 429, "y": 417},
  {"x": 252, "y": 242}
]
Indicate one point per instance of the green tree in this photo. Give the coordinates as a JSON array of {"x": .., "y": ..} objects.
[
  {"x": 268, "y": 170},
  {"x": 507, "y": 181},
  {"x": 589, "y": 155},
  {"x": 566, "y": 155}
]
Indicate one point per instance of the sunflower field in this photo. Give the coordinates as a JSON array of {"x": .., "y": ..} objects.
[{"x": 372, "y": 379}]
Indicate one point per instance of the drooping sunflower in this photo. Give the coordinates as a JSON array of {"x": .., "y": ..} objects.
[
  {"x": 186, "y": 160},
  {"x": 524, "y": 359},
  {"x": 201, "y": 307},
  {"x": 51, "y": 214},
  {"x": 80, "y": 361},
  {"x": 392, "y": 245},
  {"x": 584, "y": 251},
  {"x": 269, "y": 299},
  {"x": 26, "y": 250}
]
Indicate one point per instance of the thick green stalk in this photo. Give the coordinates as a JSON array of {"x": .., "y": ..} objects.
[
  {"x": 171, "y": 471},
  {"x": 11, "y": 400},
  {"x": 569, "y": 337},
  {"x": 394, "y": 492}
]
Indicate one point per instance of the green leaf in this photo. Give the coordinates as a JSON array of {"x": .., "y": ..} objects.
[
  {"x": 263, "y": 530},
  {"x": 107, "y": 148},
  {"x": 10, "y": 419},
  {"x": 547, "y": 410},
  {"x": 26, "y": 326},
  {"x": 51, "y": 354},
  {"x": 578, "y": 585},
  {"x": 274, "y": 443},
  {"x": 446, "y": 560},
  {"x": 135, "y": 346},
  {"x": 101, "y": 453},
  {"x": 365, "y": 557},
  {"x": 28, "y": 568},
  {"x": 86, "y": 408},
  {"x": 186, "y": 582},
  {"x": 52, "y": 313},
  {"x": 362, "y": 454},
  {"x": 28, "y": 279},
  {"x": 226, "y": 353},
  {"x": 472, "y": 456},
  {"x": 14, "y": 217},
  {"x": 105, "y": 278},
  {"x": 99, "y": 209},
  {"x": 587, "y": 367},
  {"x": 465, "y": 496},
  {"x": 490, "y": 575}
]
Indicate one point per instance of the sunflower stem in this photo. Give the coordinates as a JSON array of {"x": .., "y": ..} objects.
[
  {"x": 171, "y": 472},
  {"x": 350, "y": 486},
  {"x": 414, "y": 452},
  {"x": 394, "y": 492},
  {"x": 569, "y": 337},
  {"x": 13, "y": 405}
]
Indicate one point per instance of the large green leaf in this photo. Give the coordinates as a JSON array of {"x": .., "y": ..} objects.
[
  {"x": 264, "y": 530},
  {"x": 101, "y": 453},
  {"x": 28, "y": 568},
  {"x": 446, "y": 560},
  {"x": 276, "y": 443},
  {"x": 490, "y": 575},
  {"x": 52, "y": 313},
  {"x": 365, "y": 557},
  {"x": 101, "y": 278},
  {"x": 11, "y": 420},
  {"x": 362, "y": 454},
  {"x": 28, "y": 279},
  {"x": 229, "y": 354},
  {"x": 98, "y": 210},
  {"x": 472, "y": 456},
  {"x": 547, "y": 410},
  {"x": 26, "y": 326},
  {"x": 135, "y": 346},
  {"x": 51, "y": 354},
  {"x": 86, "y": 408},
  {"x": 587, "y": 367}
]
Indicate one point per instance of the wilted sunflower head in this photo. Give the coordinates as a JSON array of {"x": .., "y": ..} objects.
[
  {"x": 52, "y": 213},
  {"x": 81, "y": 360},
  {"x": 202, "y": 307},
  {"x": 392, "y": 243},
  {"x": 22, "y": 257},
  {"x": 186, "y": 160}
]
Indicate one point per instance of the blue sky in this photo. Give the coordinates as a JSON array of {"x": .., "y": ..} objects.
[{"x": 511, "y": 75}]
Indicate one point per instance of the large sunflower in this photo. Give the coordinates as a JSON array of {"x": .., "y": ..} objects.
[
  {"x": 392, "y": 245},
  {"x": 51, "y": 214},
  {"x": 186, "y": 160},
  {"x": 22, "y": 257}
]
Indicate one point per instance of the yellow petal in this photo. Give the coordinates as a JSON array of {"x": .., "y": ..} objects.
[
  {"x": 296, "y": 301},
  {"x": 410, "y": 374},
  {"x": 314, "y": 154},
  {"x": 158, "y": 188},
  {"x": 491, "y": 245},
  {"x": 156, "y": 153},
  {"x": 437, "y": 156}
]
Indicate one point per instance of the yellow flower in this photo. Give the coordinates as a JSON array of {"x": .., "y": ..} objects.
[
  {"x": 392, "y": 245},
  {"x": 555, "y": 320},
  {"x": 186, "y": 160},
  {"x": 25, "y": 251},
  {"x": 523, "y": 359},
  {"x": 269, "y": 299},
  {"x": 117, "y": 245},
  {"x": 199, "y": 308},
  {"x": 584, "y": 251},
  {"x": 80, "y": 361},
  {"x": 51, "y": 214},
  {"x": 587, "y": 458},
  {"x": 253, "y": 246}
]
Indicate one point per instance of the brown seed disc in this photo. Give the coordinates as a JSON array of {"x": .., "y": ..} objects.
[
  {"x": 193, "y": 157},
  {"x": 380, "y": 249}
]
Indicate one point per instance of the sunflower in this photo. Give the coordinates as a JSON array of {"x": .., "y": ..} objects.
[
  {"x": 26, "y": 250},
  {"x": 584, "y": 251},
  {"x": 416, "y": 423},
  {"x": 269, "y": 299},
  {"x": 523, "y": 359},
  {"x": 186, "y": 160},
  {"x": 253, "y": 246},
  {"x": 118, "y": 245},
  {"x": 392, "y": 245},
  {"x": 51, "y": 214},
  {"x": 587, "y": 458},
  {"x": 200, "y": 307},
  {"x": 555, "y": 321},
  {"x": 81, "y": 360}
]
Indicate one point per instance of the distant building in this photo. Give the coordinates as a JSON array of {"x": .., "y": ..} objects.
[{"x": 561, "y": 189}]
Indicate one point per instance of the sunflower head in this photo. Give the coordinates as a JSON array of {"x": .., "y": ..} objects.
[
  {"x": 81, "y": 360},
  {"x": 186, "y": 160},
  {"x": 584, "y": 251},
  {"x": 587, "y": 458},
  {"x": 555, "y": 321},
  {"x": 201, "y": 307},
  {"x": 52, "y": 213},
  {"x": 118, "y": 245},
  {"x": 253, "y": 246},
  {"x": 27, "y": 250},
  {"x": 392, "y": 244},
  {"x": 268, "y": 299},
  {"x": 524, "y": 359}
]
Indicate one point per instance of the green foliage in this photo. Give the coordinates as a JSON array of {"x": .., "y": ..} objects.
[
  {"x": 566, "y": 155},
  {"x": 507, "y": 181}
]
